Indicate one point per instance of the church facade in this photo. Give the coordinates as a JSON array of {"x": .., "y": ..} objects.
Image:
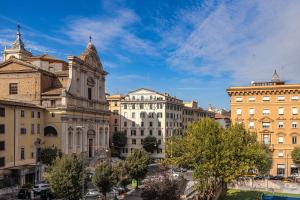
[{"x": 49, "y": 102}]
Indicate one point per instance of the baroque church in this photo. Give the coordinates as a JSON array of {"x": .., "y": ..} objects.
[{"x": 49, "y": 102}]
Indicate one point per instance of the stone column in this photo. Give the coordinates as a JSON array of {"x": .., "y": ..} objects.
[{"x": 64, "y": 138}]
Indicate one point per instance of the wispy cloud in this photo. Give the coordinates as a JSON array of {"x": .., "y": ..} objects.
[
  {"x": 111, "y": 32},
  {"x": 244, "y": 39}
]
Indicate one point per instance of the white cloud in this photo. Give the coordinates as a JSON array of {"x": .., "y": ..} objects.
[
  {"x": 244, "y": 39},
  {"x": 110, "y": 33}
]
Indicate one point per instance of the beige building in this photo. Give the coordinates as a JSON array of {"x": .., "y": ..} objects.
[
  {"x": 191, "y": 113},
  {"x": 145, "y": 112},
  {"x": 70, "y": 97},
  {"x": 271, "y": 110}
]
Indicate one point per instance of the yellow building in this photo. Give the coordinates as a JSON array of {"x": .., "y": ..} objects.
[
  {"x": 115, "y": 109},
  {"x": 70, "y": 97},
  {"x": 270, "y": 109}
]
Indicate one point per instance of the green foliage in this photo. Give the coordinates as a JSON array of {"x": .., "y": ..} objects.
[
  {"x": 66, "y": 177},
  {"x": 119, "y": 141},
  {"x": 49, "y": 154},
  {"x": 162, "y": 189},
  {"x": 150, "y": 144},
  {"x": 103, "y": 178},
  {"x": 296, "y": 155},
  {"x": 217, "y": 154},
  {"x": 120, "y": 174},
  {"x": 137, "y": 163},
  {"x": 264, "y": 160}
]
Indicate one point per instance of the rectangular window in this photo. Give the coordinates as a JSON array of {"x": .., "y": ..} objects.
[
  {"x": 265, "y": 125},
  {"x": 238, "y": 99},
  {"x": 280, "y": 98},
  {"x": 280, "y": 139},
  {"x": 150, "y": 124},
  {"x": 22, "y": 113},
  {"x": 142, "y": 132},
  {"x": 266, "y": 98},
  {"x": 251, "y": 111},
  {"x": 13, "y": 88},
  {"x": 295, "y": 98},
  {"x": 116, "y": 121},
  {"x": 294, "y": 139},
  {"x": 23, "y": 130},
  {"x": 280, "y": 153},
  {"x": 115, "y": 103},
  {"x": 2, "y": 161},
  {"x": 2, "y": 145},
  {"x": 90, "y": 93},
  {"x": 32, "y": 128},
  {"x": 52, "y": 103},
  {"x": 142, "y": 124},
  {"x": 280, "y": 124},
  {"x": 133, "y": 115},
  {"x": 141, "y": 106},
  {"x": 251, "y": 99},
  {"x": 238, "y": 111},
  {"x": 125, "y": 106},
  {"x": 295, "y": 111},
  {"x": 2, "y": 128},
  {"x": 280, "y": 111},
  {"x": 159, "y": 124},
  {"x": 22, "y": 153},
  {"x": 159, "y": 133},
  {"x": 294, "y": 124},
  {"x": 38, "y": 114},
  {"x": 133, "y": 106},
  {"x": 38, "y": 128},
  {"x": 133, "y": 132},
  {"x": 32, "y": 114},
  {"x": 150, "y": 132},
  {"x": 133, "y": 124},
  {"x": 251, "y": 124},
  {"x": 133, "y": 141},
  {"x": 125, "y": 124},
  {"x": 266, "y": 112},
  {"x": 2, "y": 112}
]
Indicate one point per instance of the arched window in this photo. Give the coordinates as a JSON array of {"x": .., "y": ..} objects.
[{"x": 50, "y": 131}]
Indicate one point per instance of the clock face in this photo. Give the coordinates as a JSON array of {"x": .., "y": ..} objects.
[{"x": 90, "y": 81}]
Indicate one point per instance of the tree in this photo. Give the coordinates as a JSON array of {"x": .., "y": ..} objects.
[
  {"x": 119, "y": 140},
  {"x": 150, "y": 143},
  {"x": 296, "y": 155},
  {"x": 264, "y": 161},
  {"x": 162, "y": 189},
  {"x": 49, "y": 154},
  {"x": 66, "y": 177},
  {"x": 217, "y": 155},
  {"x": 120, "y": 173},
  {"x": 103, "y": 178},
  {"x": 138, "y": 162}
]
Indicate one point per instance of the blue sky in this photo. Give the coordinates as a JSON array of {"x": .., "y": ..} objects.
[{"x": 190, "y": 49}]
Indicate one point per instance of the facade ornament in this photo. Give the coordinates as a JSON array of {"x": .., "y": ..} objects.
[{"x": 275, "y": 77}]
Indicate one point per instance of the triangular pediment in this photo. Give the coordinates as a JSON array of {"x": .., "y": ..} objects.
[
  {"x": 15, "y": 66},
  {"x": 266, "y": 119},
  {"x": 90, "y": 57}
]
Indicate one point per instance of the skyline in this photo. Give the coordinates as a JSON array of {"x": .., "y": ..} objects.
[{"x": 192, "y": 50}]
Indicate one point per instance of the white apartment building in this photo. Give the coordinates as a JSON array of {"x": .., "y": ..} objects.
[{"x": 145, "y": 113}]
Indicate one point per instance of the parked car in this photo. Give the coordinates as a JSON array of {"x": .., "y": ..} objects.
[
  {"x": 258, "y": 178},
  {"x": 24, "y": 193},
  {"x": 92, "y": 194},
  {"x": 277, "y": 178},
  {"x": 38, "y": 188}
]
